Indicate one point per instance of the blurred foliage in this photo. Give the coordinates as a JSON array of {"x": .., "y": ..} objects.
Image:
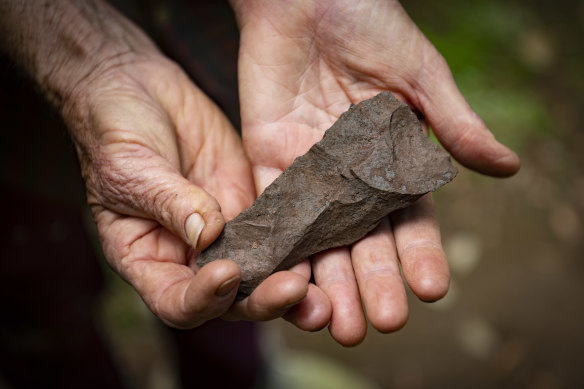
[{"x": 495, "y": 50}]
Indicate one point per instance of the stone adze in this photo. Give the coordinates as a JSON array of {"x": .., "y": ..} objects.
[{"x": 373, "y": 160}]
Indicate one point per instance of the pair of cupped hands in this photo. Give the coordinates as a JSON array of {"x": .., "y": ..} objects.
[{"x": 165, "y": 169}]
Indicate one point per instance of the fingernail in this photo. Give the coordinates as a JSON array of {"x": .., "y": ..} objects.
[
  {"x": 227, "y": 287},
  {"x": 193, "y": 226}
]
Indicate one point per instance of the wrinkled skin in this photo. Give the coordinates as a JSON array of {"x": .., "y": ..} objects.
[
  {"x": 301, "y": 64},
  {"x": 153, "y": 150}
]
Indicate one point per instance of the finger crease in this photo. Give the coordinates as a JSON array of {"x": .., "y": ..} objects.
[
  {"x": 182, "y": 298},
  {"x": 425, "y": 243},
  {"x": 336, "y": 280},
  {"x": 377, "y": 271}
]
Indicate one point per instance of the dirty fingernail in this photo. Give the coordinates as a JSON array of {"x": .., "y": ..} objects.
[
  {"x": 228, "y": 286},
  {"x": 193, "y": 226}
]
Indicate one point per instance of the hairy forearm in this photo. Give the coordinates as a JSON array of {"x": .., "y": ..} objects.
[{"x": 59, "y": 43}]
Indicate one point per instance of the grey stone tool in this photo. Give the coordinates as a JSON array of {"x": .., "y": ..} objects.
[{"x": 373, "y": 160}]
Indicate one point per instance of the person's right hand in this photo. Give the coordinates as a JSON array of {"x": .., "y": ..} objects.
[
  {"x": 158, "y": 157},
  {"x": 163, "y": 166},
  {"x": 155, "y": 154}
]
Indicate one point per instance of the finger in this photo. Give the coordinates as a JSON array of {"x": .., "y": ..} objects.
[
  {"x": 456, "y": 125},
  {"x": 423, "y": 261},
  {"x": 133, "y": 168},
  {"x": 212, "y": 153},
  {"x": 378, "y": 276},
  {"x": 271, "y": 299},
  {"x": 212, "y": 291},
  {"x": 162, "y": 270},
  {"x": 181, "y": 298},
  {"x": 333, "y": 274},
  {"x": 313, "y": 313},
  {"x": 138, "y": 182},
  {"x": 303, "y": 268}
]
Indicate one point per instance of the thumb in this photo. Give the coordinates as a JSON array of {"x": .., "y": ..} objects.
[
  {"x": 140, "y": 183},
  {"x": 456, "y": 125},
  {"x": 195, "y": 300}
]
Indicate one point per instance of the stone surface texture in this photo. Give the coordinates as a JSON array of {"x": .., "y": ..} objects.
[{"x": 373, "y": 160}]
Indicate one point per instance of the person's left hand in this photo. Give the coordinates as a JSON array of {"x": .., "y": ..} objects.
[{"x": 301, "y": 65}]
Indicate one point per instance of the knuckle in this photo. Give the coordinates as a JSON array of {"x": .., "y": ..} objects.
[{"x": 420, "y": 244}]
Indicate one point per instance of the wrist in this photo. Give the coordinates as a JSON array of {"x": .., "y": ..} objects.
[
  {"x": 61, "y": 43},
  {"x": 95, "y": 38}
]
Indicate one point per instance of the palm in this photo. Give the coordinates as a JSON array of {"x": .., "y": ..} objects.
[
  {"x": 303, "y": 83},
  {"x": 332, "y": 53}
]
